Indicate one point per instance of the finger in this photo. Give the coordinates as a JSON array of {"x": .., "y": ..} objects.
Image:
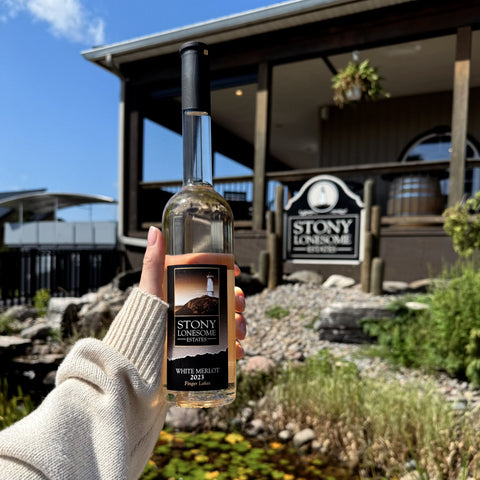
[
  {"x": 151, "y": 280},
  {"x": 239, "y": 300},
  {"x": 237, "y": 270},
  {"x": 240, "y": 352},
  {"x": 240, "y": 326}
]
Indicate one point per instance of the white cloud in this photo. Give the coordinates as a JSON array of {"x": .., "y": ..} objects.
[{"x": 66, "y": 18}]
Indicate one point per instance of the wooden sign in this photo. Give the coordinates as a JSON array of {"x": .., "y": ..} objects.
[{"x": 324, "y": 223}]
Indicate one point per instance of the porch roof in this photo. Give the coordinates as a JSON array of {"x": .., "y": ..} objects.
[{"x": 263, "y": 20}]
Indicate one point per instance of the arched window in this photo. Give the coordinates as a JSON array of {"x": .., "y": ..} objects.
[{"x": 436, "y": 144}]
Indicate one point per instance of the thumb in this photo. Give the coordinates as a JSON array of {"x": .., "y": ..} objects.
[{"x": 151, "y": 280}]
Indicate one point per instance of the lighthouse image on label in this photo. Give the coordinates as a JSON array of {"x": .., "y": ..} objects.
[{"x": 210, "y": 292}]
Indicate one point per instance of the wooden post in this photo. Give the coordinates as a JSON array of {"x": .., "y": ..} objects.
[
  {"x": 279, "y": 210},
  {"x": 262, "y": 130},
  {"x": 460, "y": 114},
  {"x": 263, "y": 266},
  {"x": 377, "y": 276},
  {"x": 375, "y": 229},
  {"x": 368, "y": 241},
  {"x": 273, "y": 272},
  {"x": 368, "y": 202},
  {"x": 365, "y": 271}
]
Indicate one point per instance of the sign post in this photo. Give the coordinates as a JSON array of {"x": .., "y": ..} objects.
[{"x": 324, "y": 223}]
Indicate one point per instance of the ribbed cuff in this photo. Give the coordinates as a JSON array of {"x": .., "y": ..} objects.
[{"x": 138, "y": 333}]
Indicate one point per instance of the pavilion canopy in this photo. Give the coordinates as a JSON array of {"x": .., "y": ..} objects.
[{"x": 41, "y": 204}]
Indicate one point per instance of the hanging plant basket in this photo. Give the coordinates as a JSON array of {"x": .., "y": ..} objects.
[{"x": 357, "y": 81}]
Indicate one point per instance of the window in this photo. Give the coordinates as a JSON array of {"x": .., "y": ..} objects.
[{"x": 437, "y": 145}]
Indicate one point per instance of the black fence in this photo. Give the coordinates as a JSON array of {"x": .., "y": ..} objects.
[{"x": 63, "y": 272}]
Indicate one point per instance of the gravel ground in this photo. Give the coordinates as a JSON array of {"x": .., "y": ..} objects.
[{"x": 292, "y": 337}]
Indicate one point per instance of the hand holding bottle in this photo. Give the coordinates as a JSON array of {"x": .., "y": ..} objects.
[{"x": 151, "y": 281}]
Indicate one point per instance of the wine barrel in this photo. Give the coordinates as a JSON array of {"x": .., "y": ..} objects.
[{"x": 414, "y": 195}]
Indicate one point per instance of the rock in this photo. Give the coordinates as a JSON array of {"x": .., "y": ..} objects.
[
  {"x": 12, "y": 346},
  {"x": 421, "y": 285},
  {"x": 338, "y": 281},
  {"x": 417, "y": 306},
  {"x": 204, "y": 305},
  {"x": 250, "y": 284},
  {"x": 303, "y": 437},
  {"x": 284, "y": 436},
  {"x": 395, "y": 287},
  {"x": 342, "y": 323},
  {"x": 246, "y": 415},
  {"x": 184, "y": 419},
  {"x": 127, "y": 279},
  {"x": 305, "y": 276},
  {"x": 90, "y": 297},
  {"x": 20, "y": 312},
  {"x": 69, "y": 321},
  {"x": 258, "y": 364},
  {"x": 95, "y": 318},
  {"x": 56, "y": 308},
  {"x": 50, "y": 378},
  {"x": 38, "y": 331},
  {"x": 255, "y": 427}
]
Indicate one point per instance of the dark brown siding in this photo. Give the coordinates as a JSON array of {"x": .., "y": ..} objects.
[{"x": 378, "y": 132}]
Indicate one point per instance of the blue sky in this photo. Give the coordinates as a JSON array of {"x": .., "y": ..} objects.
[{"x": 59, "y": 112}]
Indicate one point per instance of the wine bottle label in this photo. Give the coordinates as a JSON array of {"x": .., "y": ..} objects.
[{"x": 197, "y": 332}]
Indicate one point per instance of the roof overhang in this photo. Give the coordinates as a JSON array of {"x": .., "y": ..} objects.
[
  {"x": 253, "y": 22},
  {"x": 43, "y": 203}
]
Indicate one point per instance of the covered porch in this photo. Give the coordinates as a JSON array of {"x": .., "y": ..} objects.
[{"x": 273, "y": 114}]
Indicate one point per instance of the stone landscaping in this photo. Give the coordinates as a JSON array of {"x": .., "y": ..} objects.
[{"x": 310, "y": 316}]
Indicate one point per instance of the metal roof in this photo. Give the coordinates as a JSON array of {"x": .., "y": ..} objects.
[
  {"x": 42, "y": 203},
  {"x": 253, "y": 22}
]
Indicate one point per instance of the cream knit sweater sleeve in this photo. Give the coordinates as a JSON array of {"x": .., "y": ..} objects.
[{"x": 105, "y": 414}]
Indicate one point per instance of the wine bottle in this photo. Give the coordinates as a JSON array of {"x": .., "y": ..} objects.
[{"x": 199, "y": 264}]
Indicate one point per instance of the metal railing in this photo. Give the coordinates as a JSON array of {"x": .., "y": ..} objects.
[{"x": 62, "y": 272}]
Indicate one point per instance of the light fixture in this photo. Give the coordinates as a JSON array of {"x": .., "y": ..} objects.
[{"x": 239, "y": 92}]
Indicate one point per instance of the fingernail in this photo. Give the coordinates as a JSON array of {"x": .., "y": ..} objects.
[{"x": 152, "y": 236}]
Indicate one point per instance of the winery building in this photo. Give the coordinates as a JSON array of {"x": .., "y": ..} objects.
[{"x": 274, "y": 116}]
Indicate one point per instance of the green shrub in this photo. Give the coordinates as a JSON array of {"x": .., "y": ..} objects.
[
  {"x": 453, "y": 321},
  {"x": 8, "y": 325},
  {"x": 13, "y": 408},
  {"x": 462, "y": 223},
  {"x": 403, "y": 338},
  {"x": 445, "y": 337},
  {"x": 40, "y": 301}
]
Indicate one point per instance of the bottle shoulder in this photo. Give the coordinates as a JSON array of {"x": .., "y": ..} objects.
[{"x": 200, "y": 201}]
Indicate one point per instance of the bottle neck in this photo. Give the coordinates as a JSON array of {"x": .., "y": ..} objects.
[{"x": 197, "y": 151}]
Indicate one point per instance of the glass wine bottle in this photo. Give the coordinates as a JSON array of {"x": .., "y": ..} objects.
[{"x": 199, "y": 267}]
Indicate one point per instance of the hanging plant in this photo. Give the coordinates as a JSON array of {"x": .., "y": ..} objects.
[{"x": 358, "y": 81}]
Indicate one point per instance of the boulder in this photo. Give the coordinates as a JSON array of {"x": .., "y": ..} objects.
[
  {"x": 305, "y": 276},
  {"x": 11, "y": 346},
  {"x": 258, "y": 364},
  {"x": 395, "y": 287},
  {"x": 95, "y": 318},
  {"x": 184, "y": 419},
  {"x": 339, "y": 281},
  {"x": 342, "y": 323},
  {"x": 20, "y": 312},
  {"x": 307, "y": 435},
  {"x": 39, "y": 331},
  {"x": 57, "y": 306},
  {"x": 250, "y": 284}
]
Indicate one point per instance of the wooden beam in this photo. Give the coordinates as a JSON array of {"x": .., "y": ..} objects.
[
  {"x": 133, "y": 162},
  {"x": 461, "y": 85},
  {"x": 262, "y": 129}
]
